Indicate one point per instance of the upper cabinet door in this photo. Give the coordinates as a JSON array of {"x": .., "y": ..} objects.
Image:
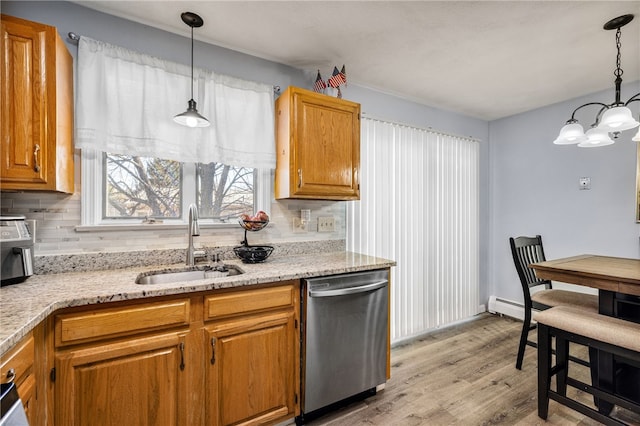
[
  {"x": 37, "y": 108},
  {"x": 318, "y": 146}
]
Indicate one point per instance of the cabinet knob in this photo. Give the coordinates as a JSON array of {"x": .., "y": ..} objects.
[{"x": 11, "y": 375}]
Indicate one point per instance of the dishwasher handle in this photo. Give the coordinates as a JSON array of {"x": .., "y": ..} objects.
[{"x": 349, "y": 290}]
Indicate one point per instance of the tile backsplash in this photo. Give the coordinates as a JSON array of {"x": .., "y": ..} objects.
[{"x": 58, "y": 216}]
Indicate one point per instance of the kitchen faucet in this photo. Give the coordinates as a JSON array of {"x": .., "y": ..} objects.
[{"x": 193, "y": 231}]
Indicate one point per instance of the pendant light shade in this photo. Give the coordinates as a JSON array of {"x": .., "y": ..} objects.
[
  {"x": 191, "y": 117},
  {"x": 636, "y": 138},
  {"x": 571, "y": 133},
  {"x": 617, "y": 119},
  {"x": 612, "y": 118},
  {"x": 595, "y": 138}
]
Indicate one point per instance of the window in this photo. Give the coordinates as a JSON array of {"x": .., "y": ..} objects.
[
  {"x": 152, "y": 188},
  {"x": 132, "y": 190},
  {"x": 123, "y": 136}
]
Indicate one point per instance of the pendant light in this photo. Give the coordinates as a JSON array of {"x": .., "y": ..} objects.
[
  {"x": 612, "y": 118},
  {"x": 190, "y": 117}
]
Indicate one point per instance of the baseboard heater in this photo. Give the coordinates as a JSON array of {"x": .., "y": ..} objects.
[{"x": 510, "y": 308}]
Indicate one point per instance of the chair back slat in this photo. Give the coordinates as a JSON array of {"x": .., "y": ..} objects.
[{"x": 525, "y": 251}]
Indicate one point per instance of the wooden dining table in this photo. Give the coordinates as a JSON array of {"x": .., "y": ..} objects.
[{"x": 618, "y": 282}]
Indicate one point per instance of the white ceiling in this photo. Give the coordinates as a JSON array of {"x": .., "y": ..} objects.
[{"x": 486, "y": 59}]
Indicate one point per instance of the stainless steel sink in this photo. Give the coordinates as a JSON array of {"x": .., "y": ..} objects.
[{"x": 187, "y": 274}]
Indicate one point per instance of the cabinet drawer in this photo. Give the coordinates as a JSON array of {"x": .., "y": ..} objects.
[
  {"x": 73, "y": 328},
  {"x": 242, "y": 302},
  {"x": 18, "y": 362}
]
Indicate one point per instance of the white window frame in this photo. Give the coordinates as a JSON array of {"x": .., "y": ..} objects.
[{"x": 91, "y": 198}]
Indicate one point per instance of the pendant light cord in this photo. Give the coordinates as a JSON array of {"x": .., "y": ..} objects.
[{"x": 192, "y": 61}]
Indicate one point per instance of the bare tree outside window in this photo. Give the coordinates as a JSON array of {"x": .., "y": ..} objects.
[
  {"x": 224, "y": 191},
  {"x": 151, "y": 187}
]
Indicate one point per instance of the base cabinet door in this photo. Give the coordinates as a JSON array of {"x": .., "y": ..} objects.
[
  {"x": 251, "y": 373},
  {"x": 124, "y": 383}
]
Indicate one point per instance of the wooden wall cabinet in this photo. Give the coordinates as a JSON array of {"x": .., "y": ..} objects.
[
  {"x": 37, "y": 108},
  {"x": 216, "y": 358},
  {"x": 317, "y": 146}
]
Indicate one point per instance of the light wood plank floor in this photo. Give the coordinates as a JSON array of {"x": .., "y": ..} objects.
[{"x": 464, "y": 375}]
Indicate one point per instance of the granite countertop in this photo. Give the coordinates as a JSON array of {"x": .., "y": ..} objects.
[{"x": 26, "y": 304}]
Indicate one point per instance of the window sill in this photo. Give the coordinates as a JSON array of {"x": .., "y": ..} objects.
[{"x": 149, "y": 226}]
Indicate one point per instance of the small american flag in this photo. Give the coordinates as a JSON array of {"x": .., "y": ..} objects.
[
  {"x": 319, "y": 85},
  {"x": 343, "y": 73},
  {"x": 336, "y": 78}
]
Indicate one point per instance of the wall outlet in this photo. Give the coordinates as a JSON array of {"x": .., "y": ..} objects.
[
  {"x": 298, "y": 226},
  {"x": 326, "y": 224},
  {"x": 584, "y": 183}
]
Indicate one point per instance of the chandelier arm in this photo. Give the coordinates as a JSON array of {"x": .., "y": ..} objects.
[
  {"x": 634, "y": 98},
  {"x": 573, "y": 118}
]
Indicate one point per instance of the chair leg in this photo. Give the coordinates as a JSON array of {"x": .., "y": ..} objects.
[
  {"x": 524, "y": 335},
  {"x": 544, "y": 370},
  {"x": 562, "y": 364}
]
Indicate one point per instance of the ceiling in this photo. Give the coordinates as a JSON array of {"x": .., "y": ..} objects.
[{"x": 485, "y": 59}]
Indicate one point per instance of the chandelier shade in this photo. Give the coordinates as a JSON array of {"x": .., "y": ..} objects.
[
  {"x": 595, "y": 138},
  {"x": 191, "y": 117},
  {"x": 612, "y": 118},
  {"x": 636, "y": 138},
  {"x": 617, "y": 119},
  {"x": 571, "y": 133}
]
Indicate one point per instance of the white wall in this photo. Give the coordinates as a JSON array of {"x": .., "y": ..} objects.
[{"x": 534, "y": 189}]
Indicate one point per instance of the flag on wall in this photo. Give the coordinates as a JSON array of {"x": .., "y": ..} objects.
[
  {"x": 319, "y": 85},
  {"x": 336, "y": 78}
]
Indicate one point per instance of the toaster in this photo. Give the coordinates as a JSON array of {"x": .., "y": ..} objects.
[{"x": 16, "y": 247}]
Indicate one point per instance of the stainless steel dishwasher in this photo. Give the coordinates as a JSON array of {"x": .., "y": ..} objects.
[{"x": 344, "y": 340}]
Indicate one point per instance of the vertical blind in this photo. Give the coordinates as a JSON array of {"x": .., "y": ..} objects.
[{"x": 419, "y": 206}]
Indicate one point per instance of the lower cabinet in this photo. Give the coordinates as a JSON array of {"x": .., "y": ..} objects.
[
  {"x": 122, "y": 383},
  {"x": 19, "y": 366},
  {"x": 217, "y": 358},
  {"x": 250, "y": 377},
  {"x": 253, "y": 372}
]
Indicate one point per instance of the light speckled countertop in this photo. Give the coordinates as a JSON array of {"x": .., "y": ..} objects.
[{"x": 25, "y": 305}]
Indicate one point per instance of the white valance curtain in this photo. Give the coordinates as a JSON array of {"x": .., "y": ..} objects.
[{"x": 126, "y": 102}]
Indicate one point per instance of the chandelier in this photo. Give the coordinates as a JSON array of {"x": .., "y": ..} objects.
[{"x": 611, "y": 118}]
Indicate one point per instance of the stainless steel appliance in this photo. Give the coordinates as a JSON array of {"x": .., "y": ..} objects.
[
  {"x": 16, "y": 250},
  {"x": 11, "y": 408},
  {"x": 344, "y": 337}
]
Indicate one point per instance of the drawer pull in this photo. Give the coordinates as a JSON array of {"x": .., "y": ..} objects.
[
  {"x": 182, "y": 356},
  {"x": 11, "y": 375},
  {"x": 213, "y": 350}
]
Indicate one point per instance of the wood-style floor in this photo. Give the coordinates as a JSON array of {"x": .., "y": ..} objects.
[{"x": 464, "y": 375}]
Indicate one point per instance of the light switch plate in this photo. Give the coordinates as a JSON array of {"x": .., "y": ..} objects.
[
  {"x": 326, "y": 224},
  {"x": 584, "y": 183}
]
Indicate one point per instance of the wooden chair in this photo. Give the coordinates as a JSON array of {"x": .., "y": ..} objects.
[
  {"x": 528, "y": 250},
  {"x": 604, "y": 333}
]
